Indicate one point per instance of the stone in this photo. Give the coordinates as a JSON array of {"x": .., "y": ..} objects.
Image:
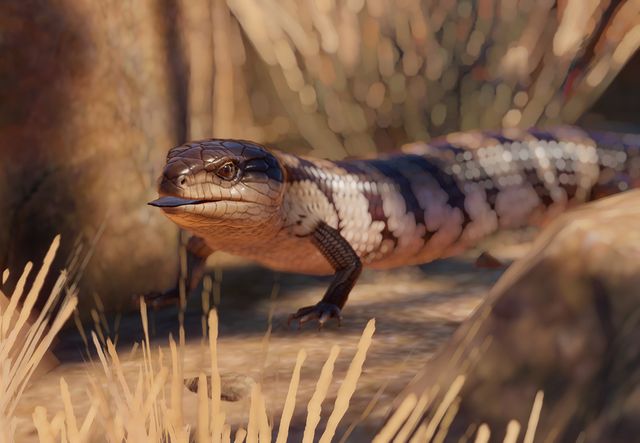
[
  {"x": 85, "y": 123},
  {"x": 563, "y": 320}
]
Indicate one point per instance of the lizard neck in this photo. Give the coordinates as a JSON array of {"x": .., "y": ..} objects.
[{"x": 241, "y": 240}]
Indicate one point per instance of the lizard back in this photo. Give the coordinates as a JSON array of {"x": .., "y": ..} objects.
[{"x": 435, "y": 200}]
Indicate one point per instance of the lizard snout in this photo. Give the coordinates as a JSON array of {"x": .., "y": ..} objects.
[{"x": 175, "y": 177}]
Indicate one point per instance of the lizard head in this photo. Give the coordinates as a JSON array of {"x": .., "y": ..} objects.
[{"x": 220, "y": 182}]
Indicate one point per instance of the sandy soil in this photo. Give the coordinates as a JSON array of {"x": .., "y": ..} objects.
[{"x": 416, "y": 309}]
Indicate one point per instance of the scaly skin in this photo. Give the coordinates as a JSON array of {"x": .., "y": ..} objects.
[{"x": 434, "y": 200}]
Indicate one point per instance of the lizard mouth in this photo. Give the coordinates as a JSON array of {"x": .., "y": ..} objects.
[{"x": 174, "y": 202}]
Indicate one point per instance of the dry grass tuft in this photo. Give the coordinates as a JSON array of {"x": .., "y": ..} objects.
[
  {"x": 25, "y": 338},
  {"x": 150, "y": 409}
]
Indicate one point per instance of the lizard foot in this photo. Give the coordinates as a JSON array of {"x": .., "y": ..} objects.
[
  {"x": 322, "y": 312},
  {"x": 487, "y": 261},
  {"x": 158, "y": 300}
]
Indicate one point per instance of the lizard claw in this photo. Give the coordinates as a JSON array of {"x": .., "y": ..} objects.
[
  {"x": 158, "y": 300},
  {"x": 322, "y": 312}
]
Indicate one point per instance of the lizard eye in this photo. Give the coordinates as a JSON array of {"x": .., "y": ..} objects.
[{"x": 227, "y": 171}]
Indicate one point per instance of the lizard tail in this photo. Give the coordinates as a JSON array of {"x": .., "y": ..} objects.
[
  {"x": 527, "y": 175},
  {"x": 618, "y": 160}
]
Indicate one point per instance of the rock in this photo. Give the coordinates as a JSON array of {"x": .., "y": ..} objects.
[
  {"x": 564, "y": 320},
  {"x": 86, "y": 120}
]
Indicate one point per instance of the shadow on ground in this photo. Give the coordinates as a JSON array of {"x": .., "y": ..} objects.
[
  {"x": 246, "y": 298},
  {"x": 416, "y": 310}
]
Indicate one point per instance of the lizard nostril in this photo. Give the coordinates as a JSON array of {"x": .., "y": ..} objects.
[{"x": 181, "y": 180}]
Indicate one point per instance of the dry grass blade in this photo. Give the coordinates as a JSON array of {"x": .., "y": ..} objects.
[
  {"x": 513, "y": 430},
  {"x": 203, "y": 409},
  {"x": 398, "y": 418},
  {"x": 32, "y": 296},
  {"x": 253, "y": 426},
  {"x": 45, "y": 432},
  {"x": 420, "y": 434},
  {"x": 264, "y": 433},
  {"x": 290, "y": 403},
  {"x": 314, "y": 407},
  {"x": 483, "y": 434},
  {"x": 413, "y": 419},
  {"x": 258, "y": 429},
  {"x": 177, "y": 414},
  {"x": 72, "y": 425},
  {"x": 348, "y": 386},
  {"x": 216, "y": 425},
  {"x": 28, "y": 340},
  {"x": 226, "y": 434},
  {"x": 445, "y": 424},
  {"x": 241, "y": 434},
  {"x": 448, "y": 399},
  {"x": 534, "y": 417},
  {"x": 35, "y": 332},
  {"x": 7, "y": 316}
]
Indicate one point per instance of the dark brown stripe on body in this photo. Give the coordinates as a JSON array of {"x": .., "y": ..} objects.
[
  {"x": 446, "y": 181},
  {"x": 359, "y": 169},
  {"x": 388, "y": 169},
  {"x": 307, "y": 170},
  {"x": 542, "y": 135}
]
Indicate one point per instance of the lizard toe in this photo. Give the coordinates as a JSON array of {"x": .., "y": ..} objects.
[
  {"x": 159, "y": 300},
  {"x": 322, "y": 312}
]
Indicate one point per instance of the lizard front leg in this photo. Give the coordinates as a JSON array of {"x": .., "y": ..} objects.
[
  {"x": 348, "y": 267},
  {"x": 197, "y": 253}
]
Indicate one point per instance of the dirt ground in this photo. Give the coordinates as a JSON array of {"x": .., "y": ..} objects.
[{"x": 416, "y": 310}]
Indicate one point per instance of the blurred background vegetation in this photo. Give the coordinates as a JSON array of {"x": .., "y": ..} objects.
[{"x": 93, "y": 94}]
